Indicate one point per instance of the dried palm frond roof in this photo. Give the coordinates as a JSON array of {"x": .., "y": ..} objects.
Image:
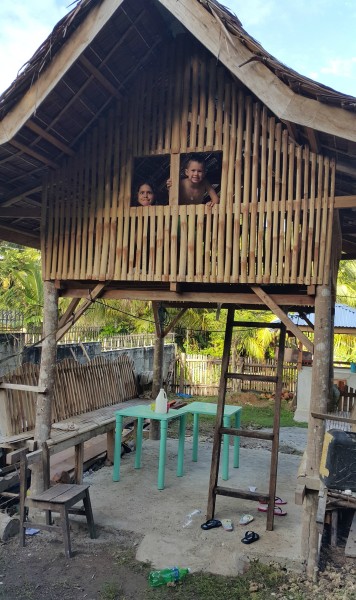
[{"x": 300, "y": 84}]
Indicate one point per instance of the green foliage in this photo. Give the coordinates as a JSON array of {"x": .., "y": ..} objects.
[{"x": 21, "y": 286}]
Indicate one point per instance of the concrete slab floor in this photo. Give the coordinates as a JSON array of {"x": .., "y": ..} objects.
[{"x": 135, "y": 504}]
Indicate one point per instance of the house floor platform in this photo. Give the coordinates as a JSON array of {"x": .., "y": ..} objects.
[{"x": 135, "y": 504}]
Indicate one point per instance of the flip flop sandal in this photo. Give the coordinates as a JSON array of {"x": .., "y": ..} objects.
[
  {"x": 227, "y": 524},
  {"x": 246, "y": 519},
  {"x": 278, "y": 511},
  {"x": 250, "y": 537},
  {"x": 278, "y": 501},
  {"x": 211, "y": 523}
]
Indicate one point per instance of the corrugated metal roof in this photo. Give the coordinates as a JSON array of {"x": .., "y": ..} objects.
[{"x": 345, "y": 317}]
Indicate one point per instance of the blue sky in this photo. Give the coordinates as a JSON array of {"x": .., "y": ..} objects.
[{"x": 314, "y": 37}]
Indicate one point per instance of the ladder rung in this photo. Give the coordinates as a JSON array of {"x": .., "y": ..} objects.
[
  {"x": 256, "y": 324},
  {"x": 233, "y": 493},
  {"x": 251, "y": 377},
  {"x": 258, "y": 435}
]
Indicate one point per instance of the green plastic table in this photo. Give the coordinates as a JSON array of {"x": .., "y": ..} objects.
[
  {"x": 209, "y": 408},
  {"x": 143, "y": 412}
]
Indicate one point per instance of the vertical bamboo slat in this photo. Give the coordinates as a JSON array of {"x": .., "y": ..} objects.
[
  {"x": 311, "y": 212},
  {"x": 100, "y": 200},
  {"x": 107, "y": 198},
  {"x": 223, "y": 191},
  {"x": 296, "y": 219},
  {"x": 302, "y": 259},
  {"x": 317, "y": 219},
  {"x": 191, "y": 256},
  {"x": 159, "y": 243},
  {"x": 329, "y": 232},
  {"x": 282, "y": 221},
  {"x": 268, "y": 233},
  {"x": 183, "y": 243},
  {"x": 92, "y": 208},
  {"x": 174, "y": 244},
  {"x": 211, "y": 106},
  {"x": 237, "y": 189},
  {"x": 229, "y": 243},
  {"x": 290, "y": 191},
  {"x": 115, "y": 192},
  {"x": 324, "y": 220},
  {"x": 166, "y": 240},
  {"x": 199, "y": 242},
  {"x": 246, "y": 190},
  {"x": 139, "y": 232},
  {"x": 253, "y": 205},
  {"x": 277, "y": 189}
]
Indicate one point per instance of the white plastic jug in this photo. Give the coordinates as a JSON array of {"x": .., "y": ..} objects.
[{"x": 161, "y": 402}]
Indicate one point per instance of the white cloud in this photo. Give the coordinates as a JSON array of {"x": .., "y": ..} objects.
[
  {"x": 340, "y": 67},
  {"x": 253, "y": 12},
  {"x": 24, "y": 26}
]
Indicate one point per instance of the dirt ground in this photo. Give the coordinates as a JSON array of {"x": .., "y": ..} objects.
[{"x": 105, "y": 569}]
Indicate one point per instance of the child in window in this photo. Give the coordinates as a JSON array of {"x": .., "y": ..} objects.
[
  {"x": 145, "y": 195},
  {"x": 194, "y": 188}
]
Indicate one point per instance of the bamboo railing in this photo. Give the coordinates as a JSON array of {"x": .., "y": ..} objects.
[{"x": 78, "y": 388}]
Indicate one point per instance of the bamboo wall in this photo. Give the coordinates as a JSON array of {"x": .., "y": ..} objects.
[
  {"x": 78, "y": 389},
  {"x": 274, "y": 221}
]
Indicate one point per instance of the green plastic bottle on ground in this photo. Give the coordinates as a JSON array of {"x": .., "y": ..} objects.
[{"x": 165, "y": 576}]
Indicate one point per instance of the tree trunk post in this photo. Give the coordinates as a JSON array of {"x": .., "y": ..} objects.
[
  {"x": 318, "y": 403},
  {"x": 46, "y": 376}
]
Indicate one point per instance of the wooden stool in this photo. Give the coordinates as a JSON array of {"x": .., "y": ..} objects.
[{"x": 60, "y": 498}]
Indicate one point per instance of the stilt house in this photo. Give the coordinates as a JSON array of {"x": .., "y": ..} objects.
[{"x": 126, "y": 90}]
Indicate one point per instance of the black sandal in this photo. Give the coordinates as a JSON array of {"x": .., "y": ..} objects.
[
  {"x": 211, "y": 523},
  {"x": 250, "y": 537}
]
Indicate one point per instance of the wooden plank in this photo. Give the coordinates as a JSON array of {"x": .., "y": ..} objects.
[
  {"x": 296, "y": 218},
  {"x": 304, "y": 231},
  {"x": 23, "y": 387},
  {"x": 283, "y": 317},
  {"x": 282, "y": 210},
  {"x": 237, "y": 189},
  {"x": 269, "y": 199}
]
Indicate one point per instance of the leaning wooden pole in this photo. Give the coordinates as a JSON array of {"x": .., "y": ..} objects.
[
  {"x": 157, "y": 381},
  {"x": 318, "y": 404},
  {"x": 46, "y": 375}
]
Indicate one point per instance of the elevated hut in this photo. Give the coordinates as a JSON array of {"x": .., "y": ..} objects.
[{"x": 126, "y": 90}]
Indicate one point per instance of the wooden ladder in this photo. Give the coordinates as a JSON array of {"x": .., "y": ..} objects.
[{"x": 214, "y": 488}]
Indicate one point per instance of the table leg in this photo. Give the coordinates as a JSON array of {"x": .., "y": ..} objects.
[
  {"x": 138, "y": 443},
  {"x": 237, "y": 440},
  {"x": 117, "y": 448},
  {"x": 162, "y": 454},
  {"x": 225, "y": 456},
  {"x": 180, "y": 465},
  {"x": 195, "y": 436}
]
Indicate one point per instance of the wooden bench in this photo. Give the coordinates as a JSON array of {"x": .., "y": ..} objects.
[{"x": 86, "y": 397}]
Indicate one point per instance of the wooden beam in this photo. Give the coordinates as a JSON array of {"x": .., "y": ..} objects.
[
  {"x": 273, "y": 306},
  {"x": 90, "y": 299},
  {"x": 20, "y": 213},
  {"x": 20, "y": 196},
  {"x": 100, "y": 77},
  {"x": 27, "y": 150},
  {"x": 313, "y": 140},
  {"x": 49, "y": 137},
  {"x": 345, "y": 202},
  {"x": 69, "y": 312},
  {"x": 11, "y": 234},
  {"x": 204, "y": 298},
  {"x": 174, "y": 321},
  {"x": 23, "y": 388}
]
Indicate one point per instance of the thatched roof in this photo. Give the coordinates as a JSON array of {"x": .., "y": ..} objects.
[{"x": 91, "y": 58}]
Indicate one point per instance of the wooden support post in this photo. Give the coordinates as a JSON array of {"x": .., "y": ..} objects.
[
  {"x": 46, "y": 376},
  {"x": 318, "y": 403},
  {"x": 78, "y": 463},
  {"x": 110, "y": 441}
]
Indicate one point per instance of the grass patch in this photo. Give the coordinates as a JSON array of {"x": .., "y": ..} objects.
[
  {"x": 253, "y": 415},
  {"x": 258, "y": 583}
]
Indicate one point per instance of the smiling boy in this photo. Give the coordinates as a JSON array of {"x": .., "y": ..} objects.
[{"x": 194, "y": 188}]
